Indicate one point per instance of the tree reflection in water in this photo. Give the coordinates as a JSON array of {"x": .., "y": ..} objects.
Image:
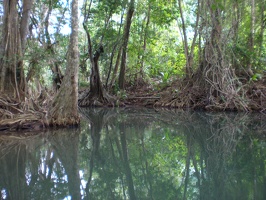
[
  {"x": 139, "y": 154},
  {"x": 40, "y": 167}
]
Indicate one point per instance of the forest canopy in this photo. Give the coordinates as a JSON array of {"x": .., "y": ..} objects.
[{"x": 203, "y": 54}]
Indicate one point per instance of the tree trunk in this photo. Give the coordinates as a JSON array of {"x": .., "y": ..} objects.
[
  {"x": 250, "y": 43},
  {"x": 251, "y": 39},
  {"x": 188, "y": 67},
  {"x": 111, "y": 64},
  {"x": 116, "y": 67},
  {"x": 12, "y": 79},
  {"x": 54, "y": 63},
  {"x": 114, "y": 75},
  {"x": 96, "y": 89},
  {"x": 218, "y": 79},
  {"x": 141, "y": 55},
  {"x": 189, "y": 53},
  {"x": 27, "y": 7},
  {"x": 262, "y": 30},
  {"x": 113, "y": 54},
  {"x": 64, "y": 110},
  {"x": 125, "y": 43},
  {"x": 95, "y": 96}
]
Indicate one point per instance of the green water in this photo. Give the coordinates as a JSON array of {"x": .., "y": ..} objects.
[{"x": 140, "y": 154}]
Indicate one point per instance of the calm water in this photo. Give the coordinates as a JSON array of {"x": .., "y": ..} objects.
[{"x": 140, "y": 154}]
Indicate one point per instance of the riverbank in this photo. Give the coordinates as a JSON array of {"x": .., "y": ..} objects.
[{"x": 32, "y": 114}]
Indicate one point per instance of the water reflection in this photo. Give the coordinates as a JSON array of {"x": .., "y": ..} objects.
[
  {"x": 40, "y": 167},
  {"x": 140, "y": 154}
]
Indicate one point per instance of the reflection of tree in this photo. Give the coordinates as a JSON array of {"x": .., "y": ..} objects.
[
  {"x": 114, "y": 159},
  {"x": 21, "y": 168},
  {"x": 187, "y": 168},
  {"x": 217, "y": 139},
  {"x": 145, "y": 168},
  {"x": 213, "y": 143},
  {"x": 65, "y": 144},
  {"x": 140, "y": 154},
  {"x": 126, "y": 162},
  {"x": 12, "y": 171},
  {"x": 222, "y": 138},
  {"x": 196, "y": 163},
  {"x": 32, "y": 168},
  {"x": 95, "y": 118}
]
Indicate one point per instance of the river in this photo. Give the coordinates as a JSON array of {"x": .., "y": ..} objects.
[{"x": 138, "y": 153}]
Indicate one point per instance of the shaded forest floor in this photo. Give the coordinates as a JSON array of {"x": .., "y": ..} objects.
[{"x": 31, "y": 115}]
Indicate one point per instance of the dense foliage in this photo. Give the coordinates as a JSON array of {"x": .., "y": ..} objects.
[{"x": 159, "y": 38}]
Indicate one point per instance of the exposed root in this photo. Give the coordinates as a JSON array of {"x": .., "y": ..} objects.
[
  {"x": 87, "y": 99},
  {"x": 248, "y": 97},
  {"x": 190, "y": 97},
  {"x": 216, "y": 87},
  {"x": 21, "y": 116},
  {"x": 257, "y": 95}
]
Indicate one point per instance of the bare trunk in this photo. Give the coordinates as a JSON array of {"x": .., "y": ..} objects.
[
  {"x": 112, "y": 56},
  {"x": 54, "y": 64},
  {"x": 64, "y": 110},
  {"x": 12, "y": 79},
  {"x": 57, "y": 75},
  {"x": 189, "y": 51},
  {"x": 110, "y": 65},
  {"x": 116, "y": 67},
  {"x": 125, "y": 43},
  {"x": 251, "y": 38},
  {"x": 262, "y": 29},
  {"x": 96, "y": 89},
  {"x": 24, "y": 29},
  {"x": 236, "y": 20},
  {"x": 144, "y": 46},
  {"x": 95, "y": 96},
  {"x": 219, "y": 77},
  {"x": 188, "y": 67}
]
